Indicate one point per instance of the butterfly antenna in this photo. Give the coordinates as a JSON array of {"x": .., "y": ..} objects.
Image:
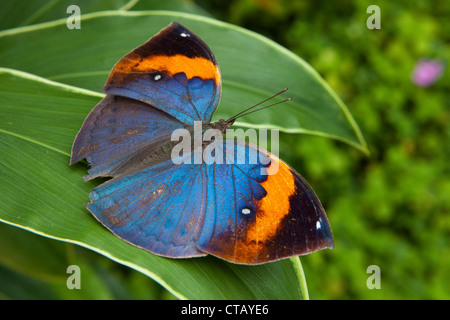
[{"x": 249, "y": 110}]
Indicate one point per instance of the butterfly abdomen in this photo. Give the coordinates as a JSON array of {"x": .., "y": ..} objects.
[{"x": 152, "y": 155}]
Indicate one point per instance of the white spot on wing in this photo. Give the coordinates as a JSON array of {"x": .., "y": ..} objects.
[
  {"x": 318, "y": 225},
  {"x": 246, "y": 211},
  {"x": 157, "y": 77},
  {"x": 184, "y": 34}
]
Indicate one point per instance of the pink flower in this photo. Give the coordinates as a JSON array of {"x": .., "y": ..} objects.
[{"x": 426, "y": 72}]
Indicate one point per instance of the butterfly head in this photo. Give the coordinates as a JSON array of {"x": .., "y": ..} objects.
[{"x": 222, "y": 125}]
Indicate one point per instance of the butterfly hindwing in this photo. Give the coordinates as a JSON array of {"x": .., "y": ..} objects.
[
  {"x": 159, "y": 209},
  {"x": 116, "y": 129},
  {"x": 174, "y": 71},
  {"x": 235, "y": 211},
  {"x": 253, "y": 218}
]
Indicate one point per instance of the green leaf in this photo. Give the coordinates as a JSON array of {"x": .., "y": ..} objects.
[
  {"x": 17, "y": 13},
  {"x": 39, "y": 119},
  {"x": 253, "y": 67},
  {"x": 24, "y": 12},
  {"x": 43, "y": 194}
]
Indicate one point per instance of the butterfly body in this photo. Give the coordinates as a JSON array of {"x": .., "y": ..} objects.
[{"x": 173, "y": 205}]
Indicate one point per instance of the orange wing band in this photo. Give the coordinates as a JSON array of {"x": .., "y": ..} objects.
[{"x": 192, "y": 67}]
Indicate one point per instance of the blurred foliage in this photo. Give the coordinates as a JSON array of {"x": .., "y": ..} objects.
[{"x": 392, "y": 208}]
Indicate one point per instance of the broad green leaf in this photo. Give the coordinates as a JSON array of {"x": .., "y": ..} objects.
[
  {"x": 39, "y": 120},
  {"x": 43, "y": 194},
  {"x": 172, "y": 5},
  {"x": 18, "y": 13},
  {"x": 253, "y": 67}
]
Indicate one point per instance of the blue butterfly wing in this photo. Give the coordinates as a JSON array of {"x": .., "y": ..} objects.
[
  {"x": 163, "y": 85},
  {"x": 260, "y": 212},
  {"x": 174, "y": 71},
  {"x": 159, "y": 209},
  {"x": 234, "y": 211},
  {"x": 117, "y": 129}
]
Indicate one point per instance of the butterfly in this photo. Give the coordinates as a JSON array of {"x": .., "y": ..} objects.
[{"x": 244, "y": 213}]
